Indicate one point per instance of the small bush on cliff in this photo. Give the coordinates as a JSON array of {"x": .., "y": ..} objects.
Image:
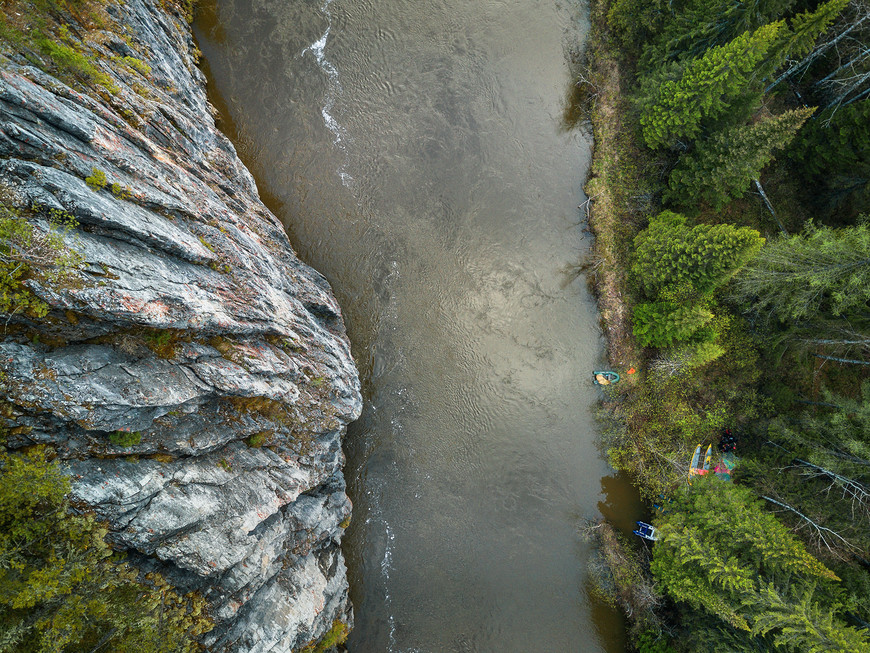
[
  {"x": 258, "y": 439},
  {"x": 125, "y": 438},
  {"x": 38, "y": 30},
  {"x": 26, "y": 252},
  {"x": 96, "y": 180},
  {"x": 61, "y": 586},
  {"x": 73, "y": 62},
  {"x": 335, "y": 636},
  {"x": 163, "y": 342}
]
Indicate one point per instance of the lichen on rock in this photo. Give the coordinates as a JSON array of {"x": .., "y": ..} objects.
[{"x": 186, "y": 320}]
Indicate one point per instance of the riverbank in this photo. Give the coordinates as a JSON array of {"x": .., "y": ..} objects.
[
  {"x": 613, "y": 177},
  {"x": 621, "y": 575}
]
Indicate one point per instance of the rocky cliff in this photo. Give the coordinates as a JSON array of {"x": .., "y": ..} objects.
[{"x": 193, "y": 375}]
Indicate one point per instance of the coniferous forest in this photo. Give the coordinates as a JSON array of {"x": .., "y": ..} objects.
[{"x": 730, "y": 197}]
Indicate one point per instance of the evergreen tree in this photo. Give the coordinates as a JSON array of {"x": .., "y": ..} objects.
[
  {"x": 720, "y": 552},
  {"x": 721, "y": 168},
  {"x": 805, "y": 29},
  {"x": 833, "y": 153},
  {"x": 62, "y": 589},
  {"x": 676, "y": 101},
  {"x": 685, "y": 358},
  {"x": 822, "y": 272},
  {"x": 669, "y": 253},
  {"x": 661, "y": 324},
  {"x": 634, "y": 21},
  {"x": 833, "y": 444},
  {"x": 694, "y": 26},
  {"x": 835, "y": 141}
]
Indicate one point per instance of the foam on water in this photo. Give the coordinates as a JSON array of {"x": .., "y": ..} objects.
[{"x": 318, "y": 49}]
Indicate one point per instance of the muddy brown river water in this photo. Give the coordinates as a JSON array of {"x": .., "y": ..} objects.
[{"x": 423, "y": 157}]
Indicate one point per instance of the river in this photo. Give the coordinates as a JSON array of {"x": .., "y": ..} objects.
[{"x": 423, "y": 156}]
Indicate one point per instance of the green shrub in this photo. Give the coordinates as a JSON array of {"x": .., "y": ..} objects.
[
  {"x": 137, "y": 64},
  {"x": 651, "y": 642},
  {"x": 119, "y": 191},
  {"x": 163, "y": 342},
  {"x": 63, "y": 588},
  {"x": 26, "y": 252},
  {"x": 125, "y": 438},
  {"x": 335, "y": 636},
  {"x": 75, "y": 63},
  {"x": 257, "y": 440},
  {"x": 97, "y": 179}
]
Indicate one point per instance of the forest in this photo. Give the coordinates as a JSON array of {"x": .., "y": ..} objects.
[{"x": 730, "y": 198}]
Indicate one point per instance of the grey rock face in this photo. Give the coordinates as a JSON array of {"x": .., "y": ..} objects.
[{"x": 190, "y": 329}]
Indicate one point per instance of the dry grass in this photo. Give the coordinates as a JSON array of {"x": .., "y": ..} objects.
[{"x": 619, "y": 203}]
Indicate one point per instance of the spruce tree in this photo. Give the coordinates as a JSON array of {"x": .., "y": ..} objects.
[
  {"x": 722, "y": 167},
  {"x": 676, "y": 101},
  {"x": 833, "y": 151},
  {"x": 697, "y": 25},
  {"x": 720, "y": 552},
  {"x": 805, "y": 30},
  {"x": 824, "y": 454},
  {"x": 669, "y": 253},
  {"x": 833, "y": 442},
  {"x": 821, "y": 272},
  {"x": 836, "y": 142},
  {"x": 661, "y": 324}
]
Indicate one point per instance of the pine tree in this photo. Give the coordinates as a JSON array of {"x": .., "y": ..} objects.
[
  {"x": 721, "y": 168},
  {"x": 633, "y": 21},
  {"x": 669, "y": 253},
  {"x": 833, "y": 152},
  {"x": 833, "y": 444},
  {"x": 836, "y": 141},
  {"x": 822, "y": 272},
  {"x": 685, "y": 358},
  {"x": 676, "y": 101},
  {"x": 661, "y": 324},
  {"x": 804, "y": 625}
]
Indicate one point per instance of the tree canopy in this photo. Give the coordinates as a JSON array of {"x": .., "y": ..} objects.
[
  {"x": 669, "y": 252},
  {"x": 822, "y": 271},
  {"x": 722, "y": 167},
  {"x": 720, "y": 551},
  {"x": 675, "y": 101}
]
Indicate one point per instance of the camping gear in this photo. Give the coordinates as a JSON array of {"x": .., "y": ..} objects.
[
  {"x": 605, "y": 378},
  {"x": 646, "y": 531},
  {"x": 696, "y": 468}
]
